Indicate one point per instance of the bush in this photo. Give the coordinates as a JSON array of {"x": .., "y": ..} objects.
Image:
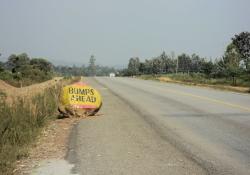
[
  {"x": 6, "y": 75},
  {"x": 20, "y": 70}
]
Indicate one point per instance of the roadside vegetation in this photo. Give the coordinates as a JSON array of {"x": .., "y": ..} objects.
[
  {"x": 233, "y": 68},
  {"x": 22, "y": 121},
  {"x": 21, "y": 70}
]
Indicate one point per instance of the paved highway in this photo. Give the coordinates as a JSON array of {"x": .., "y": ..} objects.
[{"x": 148, "y": 127}]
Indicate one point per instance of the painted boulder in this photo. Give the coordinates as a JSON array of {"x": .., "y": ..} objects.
[{"x": 79, "y": 99}]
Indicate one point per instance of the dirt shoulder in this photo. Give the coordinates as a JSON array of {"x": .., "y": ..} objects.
[{"x": 52, "y": 144}]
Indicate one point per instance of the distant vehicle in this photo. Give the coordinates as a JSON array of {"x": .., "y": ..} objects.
[{"x": 112, "y": 75}]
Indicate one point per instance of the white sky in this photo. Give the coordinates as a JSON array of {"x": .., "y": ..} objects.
[{"x": 69, "y": 31}]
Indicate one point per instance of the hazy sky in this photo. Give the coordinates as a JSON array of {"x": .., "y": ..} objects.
[{"x": 69, "y": 31}]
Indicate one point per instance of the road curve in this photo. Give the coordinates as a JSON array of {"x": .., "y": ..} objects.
[{"x": 207, "y": 129}]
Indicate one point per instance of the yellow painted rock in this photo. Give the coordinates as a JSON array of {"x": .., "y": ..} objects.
[{"x": 79, "y": 99}]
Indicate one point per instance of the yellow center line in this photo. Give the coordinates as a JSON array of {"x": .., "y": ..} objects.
[{"x": 244, "y": 108}]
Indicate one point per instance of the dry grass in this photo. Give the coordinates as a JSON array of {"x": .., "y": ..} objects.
[
  {"x": 222, "y": 87},
  {"x": 191, "y": 82},
  {"x": 28, "y": 91},
  {"x": 23, "y": 119}
]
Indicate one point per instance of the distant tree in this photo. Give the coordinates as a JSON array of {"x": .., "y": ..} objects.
[
  {"x": 104, "y": 70},
  {"x": 196, "y": 63},
  {"x": 1, "y": 66},
  {"x": 163, "y": 65},
  {"x": 15, "y": 62},
  {"x": 142, "y": 68},
  {"x": 218, "y": 69},
  {"x": 148, "y": 66},
  {"x": 92, "y": 66},
  {"x": 11, "y": 63},
  {"x": 124, "y": 72},
  {"x": 84, "y": 70},
  {"x": 207, "y": 68},
  {"x": 133, "y": 66},
  {"x": 184, "y": 63},
  {"x": 231, "y": 61},
  {"x": 242, "y": 42},
  {"x": 41, "y": 64},
  {"x": 157, "y": 68}
]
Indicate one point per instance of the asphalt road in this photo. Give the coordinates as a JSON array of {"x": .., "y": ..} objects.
[{"x": 148, "y": 127}]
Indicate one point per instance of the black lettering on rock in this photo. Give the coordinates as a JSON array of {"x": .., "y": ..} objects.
[
  {"x": 92, "y": 92},
  {"x": 82, "y": 98},
  {"x": 71, "y": 90},
  {"x": 81, "y": 91},
  {"x": 77, "y": 97},
  {"x": 72, "y": 98},
  {"x": 93, "y": 99},
  {"x": 88, "y": 99}
]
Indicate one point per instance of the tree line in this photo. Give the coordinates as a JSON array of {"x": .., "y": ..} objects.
[
  {"x": 21, "y": 70},
  {"x": 233, "y": 64},
  {"x": 92, "y": 69}
]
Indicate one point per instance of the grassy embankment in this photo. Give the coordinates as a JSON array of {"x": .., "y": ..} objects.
[
  {"x": 22, "y": 121},
  {"x": 242, "y": 85},
  {"x": 25, "y": 81}
]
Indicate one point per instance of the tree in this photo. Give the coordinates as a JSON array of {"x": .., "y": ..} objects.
[
  {"x": 15, "y": 62},
  {"x": 92, "y": 66},
  {"x": 1, "y": 66},
  {"x": 196, "y": 63},
  {"x": 142, "y": 68},
  {"x": 156, "y": 69},
  {"x": 163, "y": 59},
  {"x": 148, "y": 66},
  {"x": 133, "y": 66},
  {"x": 104, "y": 70},
  {"x": 231, "y": 60},
  {"x": 207, "y": 68},
  {"x": 184, "y": 63},
  {"x": 41, "y": 64},
  {"x": 242, "y": 42}
]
